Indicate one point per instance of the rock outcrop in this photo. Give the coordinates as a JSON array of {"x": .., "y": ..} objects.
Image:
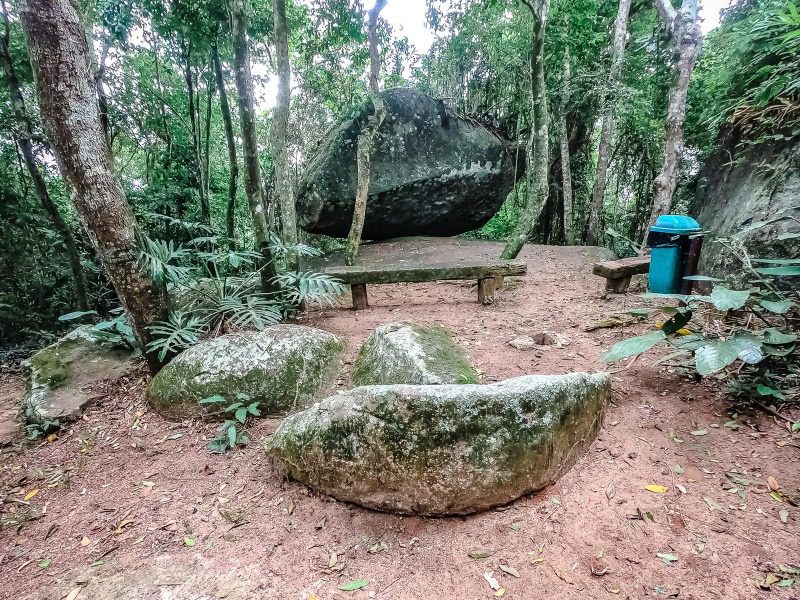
[
  {"x": 59, "y": 377},
  {"x": 432, "y": 173},
  {"x": 283, "y": 368},
  {"x": 443, "y": 449},
  {"x": 411, "y": 353},
  {"x": 739, "y": 190}
]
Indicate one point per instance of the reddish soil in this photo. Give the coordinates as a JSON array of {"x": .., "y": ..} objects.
[{"x": 130, "y": 506}]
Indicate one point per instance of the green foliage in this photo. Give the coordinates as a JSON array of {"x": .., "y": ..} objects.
[
  {"x": 232, "y": 431},
  {"x": 729, "y": 326}
]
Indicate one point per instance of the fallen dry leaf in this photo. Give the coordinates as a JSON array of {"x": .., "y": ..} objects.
[
  {"x": 563, "y": 576},
  {"x": 480, "y": 553},
  {"x": 73, "y": 594},
  {"x": 771, "y": 482},
  {"x": 510, "y": 570},
  {"x": 610, "y": 491},
  {"x": 655, "y": 488},
  {"x": 30, "y": 495},
  {"x": 85, "y": 541},
  {"x": 493, "y": 583}
]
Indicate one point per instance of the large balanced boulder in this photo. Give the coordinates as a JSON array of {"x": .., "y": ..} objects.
[
  {"x": 432, "y": 172},
  {"x": 411, "y": 353},
  {"x": 283, "y": 368},
  {"x": 443, "y": 449},
  {"x": 60, "y": 376}
]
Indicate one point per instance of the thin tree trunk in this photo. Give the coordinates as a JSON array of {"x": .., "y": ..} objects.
[
  {"x": 278, "y": 131},
  {"x": 162, "y": 111},
  {"x": 607, "y": 128},
  {"x": 252, "y": 168},
  {"x": 225, "y": 109},
  {"x": 207, "y": 145},
  {"x": 60, "y": 59},
  {"x": 538, "y": 159},
  {"x": 102, "y": 99},
  {"x": 684, "y": 27},
  {"x": 195, "y": 126},
  {"x": 366, "y": 139},
  {"x": 23, "y": 135},
  {"x": 566, "y": 171}
]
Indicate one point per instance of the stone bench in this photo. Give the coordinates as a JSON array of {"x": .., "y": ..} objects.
[
  {"x": 618, "y": 272},
  {"x": 488, "y": 274}
]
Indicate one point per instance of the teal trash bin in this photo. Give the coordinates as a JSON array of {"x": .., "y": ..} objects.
[{"x": 669, "y": 242}]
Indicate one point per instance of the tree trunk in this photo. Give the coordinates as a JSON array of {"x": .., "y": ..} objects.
[
  {"x": 566, "y": 172},
  {"x": 225, "y": 109},
  {"x": 207, "y": 143},
  {"x": 538, "y": 159},
  {"x": 278, "y": 131},
  {"x": 684, "y": 27},
  {"x": 366, "y": 138},
  {"x": 607, "y": 129},
  {"x": 23, "y": 135},
  {"x": 252, "y": 168},
  {"x": 195, "y": 126},
  {"x": 60, "y": 59}
]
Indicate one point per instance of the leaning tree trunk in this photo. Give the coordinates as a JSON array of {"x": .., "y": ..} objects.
[
  {"x": 278, "y": 131},
  {"x": 685, "y": 29},
  {"x": 252, "y": 168},
  {"x": 566, "y": 172},
  {"x": 23, "y": 136},
  {"x": 607, "y": 129},
  {"x": 188, "y": 76},
  {"x": 227, "y": 122},
  {"x": 538, "y": 159},
  {"x": 60, "y": 59},
  {"x": 366, "y": 139}
]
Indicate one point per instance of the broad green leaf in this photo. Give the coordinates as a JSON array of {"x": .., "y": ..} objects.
[
  {"x": 787, "y": 271},
  {"x": 76, "y": 315},
  {"x": 779, "y": 306},
  {"x": 232, "y": 435},
  {"x": 678, "y": 321},
  {"x": 717, "y": 355},
  {"x": 701, "y": 278},
  {"x": 778, "y": 338},
  {"x": 212, "y": 400},
  {"x": 790, "y": 235},
  {"x": 241, "y": 414},
  {"x": 765, "y": 390},
  {"x": 189, "y": 541},
  {"x": 727, "y": 299},
  {"x": 633, "y": 346},
  {"x": 777, "y": 261},
  {"x": 667, "y": 557},
  {"x": 356, "y": 584}
]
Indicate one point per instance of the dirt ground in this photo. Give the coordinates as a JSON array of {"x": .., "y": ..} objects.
[{"x": 130, "y": 506}]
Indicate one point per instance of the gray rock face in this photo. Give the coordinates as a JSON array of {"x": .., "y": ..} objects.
[
  {"x": 58, "y": 375},
  {"x": 411, "y": 353},
  {"x": 443, "y": 449},
  {"x": 432, "y": 173},
  {"x": 732, "y": 197},
  {"x": 283, "y": 368}
]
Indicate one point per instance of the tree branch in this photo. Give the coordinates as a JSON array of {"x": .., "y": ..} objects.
[{"x": 667, "y": 14}]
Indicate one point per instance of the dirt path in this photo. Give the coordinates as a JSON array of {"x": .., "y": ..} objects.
[{"x": 132, "y": 506}]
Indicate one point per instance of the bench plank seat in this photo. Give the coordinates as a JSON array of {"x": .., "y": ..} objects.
[
  {"x": 618, "y": 272},
  {"x": 485, "y": 272}
]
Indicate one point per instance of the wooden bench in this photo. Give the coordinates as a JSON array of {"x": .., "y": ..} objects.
[
  {"x": 618, "y": 272},
  {"x": 487, "y": 273}
]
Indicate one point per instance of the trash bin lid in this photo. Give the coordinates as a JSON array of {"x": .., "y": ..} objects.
[{"x": 676, "y": 225}]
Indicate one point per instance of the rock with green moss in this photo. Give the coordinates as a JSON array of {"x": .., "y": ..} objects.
[
  {"x": 411, "y": 353},
  {"x": 443, "y": 449},
  {"x": 60, "y": 376},
  {"x": 283, "y": 368}
]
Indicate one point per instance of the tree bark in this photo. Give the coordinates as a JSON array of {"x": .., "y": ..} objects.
[
  {"x": 207, "y": 143},
  {"x": 278, "y": 131},
  {"x": 188, "y": 77},
  {"x": 227, "y": 122},
  {"x": 566, "y": 171},
  {"x": 366, "y": 138},
  {"x": 23, "y": 136},
  {"x": 538, "y": 158},
  {"x": 683, "y": 25},
  {"x": 60, "y": 59},
  {"x": 608, "y": 124},
  {"x": 252, "y": 167}
]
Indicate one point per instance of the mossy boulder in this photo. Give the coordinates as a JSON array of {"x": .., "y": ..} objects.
[
  {"x": 283, "y": 368},
  {"x": 443, "y": 449},
  {"x": 59, "y": 377},
  {"x": 411, "y": 353}
]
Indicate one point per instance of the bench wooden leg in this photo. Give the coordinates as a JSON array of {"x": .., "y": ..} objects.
[
  {"x": 619, "y": 285},
  {"x": 359, "y": 292},
  {"x": 499, "y": 282},
  {"x": 486, "y": 290}
]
